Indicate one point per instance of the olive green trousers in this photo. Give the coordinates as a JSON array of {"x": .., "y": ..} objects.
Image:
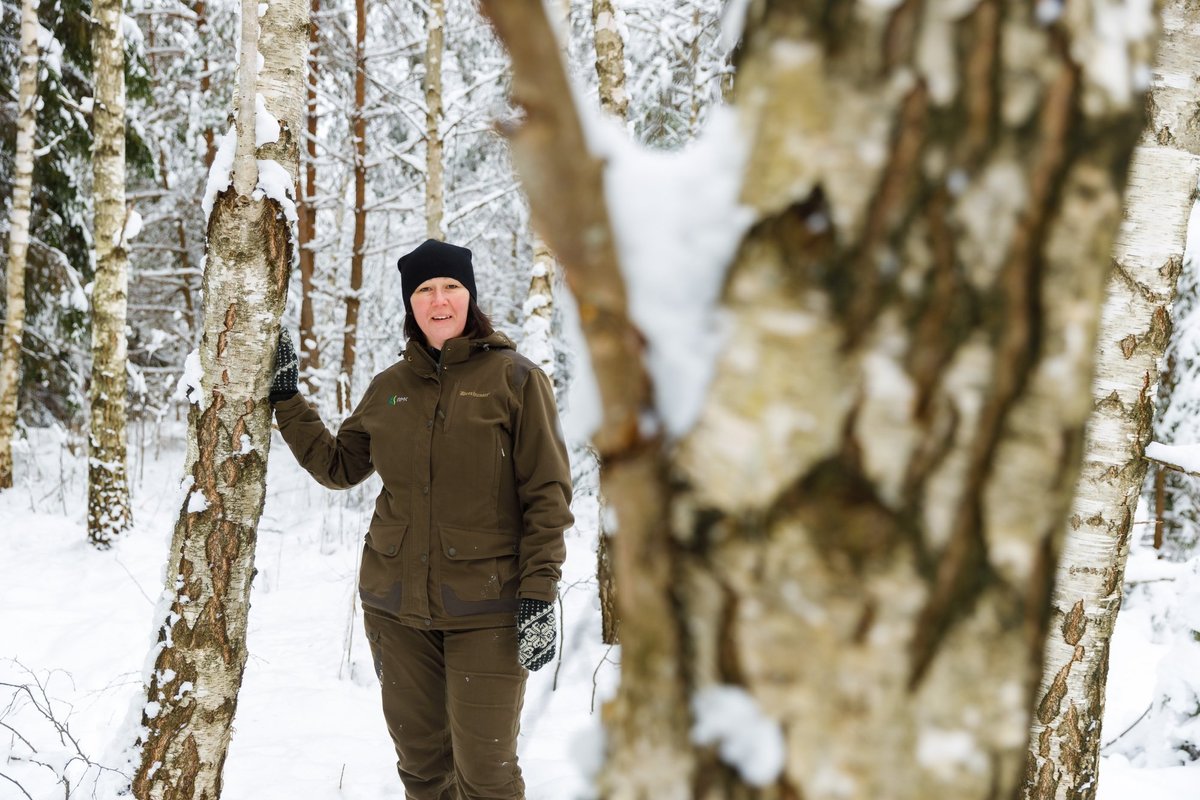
[{"x": 452, "y": 701}]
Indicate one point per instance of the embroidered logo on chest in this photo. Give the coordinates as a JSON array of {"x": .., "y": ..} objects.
[
  {"x": 396, "y": 399},
  {"x": 465, "y": 393}
]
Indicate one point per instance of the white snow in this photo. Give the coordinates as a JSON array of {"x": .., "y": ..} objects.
[
  {"x": 678, "y": 223},
  {"x": 1186, "y": 456},
  {"x": 729, "y": 718},
  {"x": 221, "y": 171},
  {"x": 197, "y": 502},
  {"x": 275, "y": 182},
  {"x": 189, "y": 384},
  {"x": 266, "y": 126},
  {"x": 133, "y": 226},
  {"x": 733, "y": 22},
  {"x": 50, "y": 50},
  {"x": 309, "y": 723},
  {"x": 132, "y": 33}
]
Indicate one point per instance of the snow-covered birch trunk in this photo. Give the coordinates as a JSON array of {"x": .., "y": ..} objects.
[
  {"x": 108, "y": 514},
  {"x": 1135, "y": 326},
  {"x": 18, "y": 239},
  {"x": 843, "y": 586},
  {"x": 435, "y": 175},
  {"x": 610, "y": 58},
  {"x": 310, "y": 352},
  {"x": 358, "y": 124},
  {"x": 192, "y": 688}
]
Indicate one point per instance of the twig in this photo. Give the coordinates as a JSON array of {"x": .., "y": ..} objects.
[
  {"x": 596, "y": 672},
  {"x": 1111, "y": 742},
  {"x": 19, "y": 786}
]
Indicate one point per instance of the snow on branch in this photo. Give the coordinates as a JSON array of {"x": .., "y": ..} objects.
[{"x": 1182, "y": 458}]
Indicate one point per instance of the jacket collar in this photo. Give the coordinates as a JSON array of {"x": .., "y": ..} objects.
[{"x": 454, "y": 351}]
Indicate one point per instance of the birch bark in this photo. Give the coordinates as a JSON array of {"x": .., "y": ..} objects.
[
  {"x": 610, "y": 58},
  {"x": 18, "y": 239},
  {"x": 858, "y": 544},
  {"x": 193, "y": 687},
  {"x": 108, "y": 513},
  {"x": 610, "y": 70},
  {"x": 1135, "y": 327}
]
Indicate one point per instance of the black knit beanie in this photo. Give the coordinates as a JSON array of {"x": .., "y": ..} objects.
[{"x": 434, "y": 259}]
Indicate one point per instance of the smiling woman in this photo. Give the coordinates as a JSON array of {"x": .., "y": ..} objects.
[{"x": 465, "y": 549}]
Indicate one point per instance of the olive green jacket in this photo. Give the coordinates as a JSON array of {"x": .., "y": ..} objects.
[{"x": 476, "y": 483}]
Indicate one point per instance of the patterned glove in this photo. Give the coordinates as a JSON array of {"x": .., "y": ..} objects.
[
  {"x": 283, "y": 385},
  {"x": 536, "y": 632}
]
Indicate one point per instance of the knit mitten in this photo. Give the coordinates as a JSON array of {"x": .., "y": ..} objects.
[
  {"x": 536, "y": 632},
  {"x": 283, "y": 385}
]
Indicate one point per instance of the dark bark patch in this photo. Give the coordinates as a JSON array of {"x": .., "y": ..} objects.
[
  {"x": 223, "y": 336},
  {"x": 1074, "y": 625},
  {"x": 1052, "y": 702}
]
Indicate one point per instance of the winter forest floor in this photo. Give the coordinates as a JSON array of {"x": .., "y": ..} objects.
[{"x": 75, "y": 626}]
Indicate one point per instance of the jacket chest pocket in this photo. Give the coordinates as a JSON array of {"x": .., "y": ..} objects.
[{"x": 477, "y": 565}]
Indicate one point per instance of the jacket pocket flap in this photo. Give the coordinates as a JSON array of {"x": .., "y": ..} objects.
[
  {"x": 386, "y": 539},
  {"x": 463, "y": 544}
]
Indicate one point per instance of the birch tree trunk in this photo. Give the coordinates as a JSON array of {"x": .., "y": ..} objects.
[
  {"x": 18, "y": 239},
  {"x": 359, "y": 125},
  {"x": 610, "y": 70},
  {"x": 610, "y": 59},
  {"x": 310, "y": 353},
  {"x": 201, "y": 653},
  {"x": 435, "y": 180},
  {"x": 1135, "y": 326},
  {"x": 855, "y": 548},
  {"x": 108, "y": 513}
]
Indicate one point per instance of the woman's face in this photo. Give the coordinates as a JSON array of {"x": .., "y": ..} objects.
[{"x": 440, "y": 306}]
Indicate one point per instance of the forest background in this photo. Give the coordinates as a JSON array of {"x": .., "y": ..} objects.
[{"x": 401, "y": 142}]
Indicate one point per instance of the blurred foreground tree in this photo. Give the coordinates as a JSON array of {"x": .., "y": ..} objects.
[{"x": 834, "y": 579}]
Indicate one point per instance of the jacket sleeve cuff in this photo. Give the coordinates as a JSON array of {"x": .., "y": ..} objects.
[
  {"x": 293, "y": 404},
  {"x": 543, "y": 589}
]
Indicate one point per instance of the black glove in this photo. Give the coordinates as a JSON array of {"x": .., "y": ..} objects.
[
  {"x": 536, "y": 633},
  {"x": 283, "y": 385}
]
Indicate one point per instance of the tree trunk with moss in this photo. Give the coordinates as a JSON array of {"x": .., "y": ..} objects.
[
  {"x": 856, "y": 544},
  {"x": 1135, "y": 326},
  {"x": 108, "y": 514},
  {"x": 18, "y": 239},
  {"x": 201, "y": 653}
]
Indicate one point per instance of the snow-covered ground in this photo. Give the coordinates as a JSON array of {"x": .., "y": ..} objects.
[{"x": 77, "y": 623}]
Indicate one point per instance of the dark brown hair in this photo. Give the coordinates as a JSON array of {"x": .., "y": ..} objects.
[{"x": 478, "y": 325}]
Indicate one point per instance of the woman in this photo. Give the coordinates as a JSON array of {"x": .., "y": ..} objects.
[{"x": 465, "y": 548}]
